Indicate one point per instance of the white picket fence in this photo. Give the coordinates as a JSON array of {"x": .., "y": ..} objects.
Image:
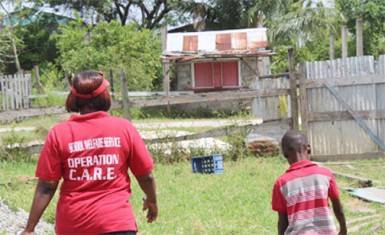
[{"x": 15, "y": 91}]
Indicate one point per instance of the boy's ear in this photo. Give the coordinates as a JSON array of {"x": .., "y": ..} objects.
[{"x": 308, "y": 149}]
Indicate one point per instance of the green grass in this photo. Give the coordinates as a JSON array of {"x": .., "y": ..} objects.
[
  {"x": 44, "y": 121},
  {"x": 237, "y": 201},
  {"x": 234, "y": 202}
]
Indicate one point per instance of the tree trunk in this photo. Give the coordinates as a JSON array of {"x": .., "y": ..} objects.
[
  {"x": 39, "y": 87},
  {"x": 344, "y": 34},
  {"x": 359, "y": 42},
  {"x": 14, "y": 50},
  {"x": 331, "y": 46},
  {"x": 124, "y": 91},
  {"x": 166, "y": 66}
]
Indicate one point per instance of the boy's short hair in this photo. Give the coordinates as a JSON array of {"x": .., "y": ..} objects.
[
  {"x": 89, "y": 89},
  {"x": 295, "y": 141}
]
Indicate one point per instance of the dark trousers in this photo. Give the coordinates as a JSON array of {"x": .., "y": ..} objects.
[{"x": 121, "y": 233}]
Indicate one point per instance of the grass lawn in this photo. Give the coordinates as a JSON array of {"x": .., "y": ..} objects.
[{"x": 237, "y": 201}]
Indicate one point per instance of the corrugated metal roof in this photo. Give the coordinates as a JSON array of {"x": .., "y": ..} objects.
[
  {"x": 374, "y": 194},
  {"x": 219, "y": 43}
]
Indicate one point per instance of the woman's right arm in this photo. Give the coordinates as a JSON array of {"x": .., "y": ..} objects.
[{"x": 43, "y": 195}]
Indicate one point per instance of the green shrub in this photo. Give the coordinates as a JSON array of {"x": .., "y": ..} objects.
[{"x": 52, "y": 78}]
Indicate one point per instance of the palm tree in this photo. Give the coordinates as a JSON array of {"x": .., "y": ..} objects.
[
  {"x": 304, "y": 21},
  {"x": 225, "y": 14},
  {"x": 259, "y": 12}
]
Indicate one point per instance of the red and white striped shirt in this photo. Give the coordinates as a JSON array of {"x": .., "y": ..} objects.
[{"x": 302, "y": 192}]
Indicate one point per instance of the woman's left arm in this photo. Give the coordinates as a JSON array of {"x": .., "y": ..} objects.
[
  {"x": 147, "y": 184},
  {"x": 43, "y": 195}
]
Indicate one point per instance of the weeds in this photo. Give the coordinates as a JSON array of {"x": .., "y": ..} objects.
[
  {"x": 51, "y": 100},
  {"x": 175, "y": 112},
  {"x": 14, "y": 148},
  {"x": 177, "y": 152}
]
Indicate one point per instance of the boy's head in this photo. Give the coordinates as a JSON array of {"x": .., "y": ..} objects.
[{"x": 295, "y": 146}]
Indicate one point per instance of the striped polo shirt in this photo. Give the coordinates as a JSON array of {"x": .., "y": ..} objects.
[{"x": 302, "y": 193}]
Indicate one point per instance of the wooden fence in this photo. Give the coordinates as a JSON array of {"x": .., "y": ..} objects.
[
  {"x": 343, "y": 107},
  {"x": 15, "y": 91},
  {"x": 341, "y": 102},
  {"x": 158, "y": 101}
]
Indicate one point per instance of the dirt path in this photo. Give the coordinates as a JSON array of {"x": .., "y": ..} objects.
[{"x": 13, "y": 222}]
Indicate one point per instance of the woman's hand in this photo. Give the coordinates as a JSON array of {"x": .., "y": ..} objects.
[
  {"x": 25, "y": 233},
  {"x": 152, "y": 213}
]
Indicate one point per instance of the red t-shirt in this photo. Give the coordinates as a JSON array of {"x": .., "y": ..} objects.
[
  {"x": 92, "y": 153},
  {"x": 302, "y": 193}
]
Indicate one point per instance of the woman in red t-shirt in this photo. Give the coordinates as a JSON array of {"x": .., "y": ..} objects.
[{"x": 92, "y": 153}]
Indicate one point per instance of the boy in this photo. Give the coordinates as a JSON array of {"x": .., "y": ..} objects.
[{"x": 300, "y": 195}]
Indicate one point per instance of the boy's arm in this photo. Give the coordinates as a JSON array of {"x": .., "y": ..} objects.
[
  {"x": 339, "y": 212},
  {"x": 282, "y": 223}
]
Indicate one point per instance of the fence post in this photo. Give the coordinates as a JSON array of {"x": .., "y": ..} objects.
[
  {"x": 68, "y": 79},
  {"x": 303, "y": 102},
  {"x": 344, "y": 36},
  {"x": 112, "y": 84},
  {"x": 359, "y": 42},
  {"x": 2, "y": 88},
  {"x": 293, "y": 90},
  {"x": 124, "y": 91},
  {"x": 39, "y": 88},
  {"x": 331, "y": 46}
]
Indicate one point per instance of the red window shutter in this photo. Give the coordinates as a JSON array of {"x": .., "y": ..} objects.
[
  {"x": 223, "y": 42},
  {"x": 203, "y": 73},
  {"x": 190, "y": 43},
  {"x": 230, "y": 74},
  {"x": 217, "y": 75},
  {"x": 239, "y": 41}
]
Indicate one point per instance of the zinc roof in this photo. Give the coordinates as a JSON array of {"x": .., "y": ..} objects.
[{"x": 240, "y": 42}]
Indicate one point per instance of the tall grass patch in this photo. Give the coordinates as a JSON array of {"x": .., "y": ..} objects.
[{"x": 234, "y": 202}]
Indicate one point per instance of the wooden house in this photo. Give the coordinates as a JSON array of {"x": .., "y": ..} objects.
[{"x": 217, "y": 60}]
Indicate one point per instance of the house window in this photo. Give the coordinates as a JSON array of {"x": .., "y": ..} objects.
[{"x": 216, "y": 75}]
